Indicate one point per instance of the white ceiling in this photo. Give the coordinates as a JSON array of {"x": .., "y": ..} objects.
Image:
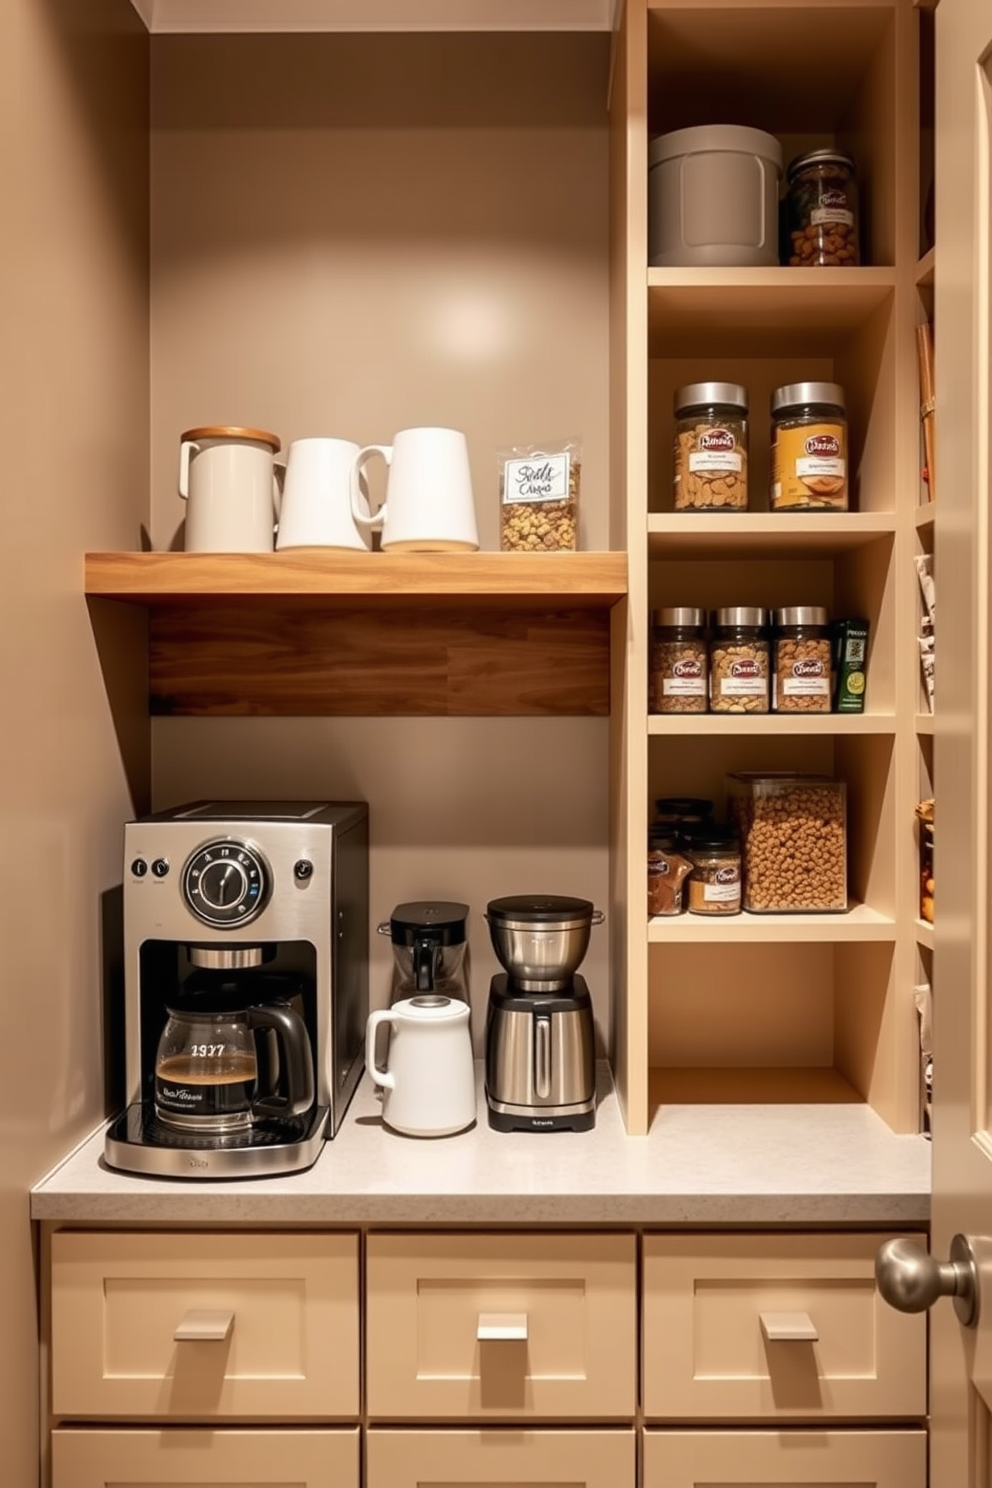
[{"x": 185, "y": 16}]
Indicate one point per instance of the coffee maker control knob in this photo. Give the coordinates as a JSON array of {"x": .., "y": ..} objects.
[
  {"x": 160, "y": 867},
  {"x": 139, "y": 867},
  {"x": 302, "y": 870}
]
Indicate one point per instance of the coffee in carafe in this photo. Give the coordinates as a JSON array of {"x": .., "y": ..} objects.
[{"x": 209, "y": 1075}]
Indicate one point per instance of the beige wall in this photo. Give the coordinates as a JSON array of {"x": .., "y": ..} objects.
[
  {"x": 351, "y": 235},
  {"x": 74, "y": 431}
]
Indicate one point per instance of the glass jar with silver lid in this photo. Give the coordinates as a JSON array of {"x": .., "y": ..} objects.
[
  {"x": 809, "y": 448},
  {"x": 711, "y": 442},
  {"x": 801, "y": 660},
  {"x": 679, "y": 661},
  {"x": 739, "y": 660}
]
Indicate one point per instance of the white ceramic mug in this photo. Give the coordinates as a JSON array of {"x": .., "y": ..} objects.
[
  {"x": 429, "y": 505},
  {"x": 429, "y": 1085},
  {"x": 317, "y": 497},
  {"x": 227, "y": 477}
]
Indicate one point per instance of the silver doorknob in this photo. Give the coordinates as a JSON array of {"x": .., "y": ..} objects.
[{"x": 911, "y": 1281}]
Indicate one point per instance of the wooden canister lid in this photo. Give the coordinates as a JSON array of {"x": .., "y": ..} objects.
[{"x": 222, "y": 431}]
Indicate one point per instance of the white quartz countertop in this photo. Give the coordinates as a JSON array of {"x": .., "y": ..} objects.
[{"x": 699, "y": 1165}]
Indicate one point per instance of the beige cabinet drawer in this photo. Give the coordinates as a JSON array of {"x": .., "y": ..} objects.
[
  {"x": 288, "y": 1303},
  {"x": 501, "y": 1326},
  {"x": 716, "y": 1308},
  {"x": 765, "y": 1459},
  {"x": 536, "y": 1459},
  {"x": 228, "y": 1459}
]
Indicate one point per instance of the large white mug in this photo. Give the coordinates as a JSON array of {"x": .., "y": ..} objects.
[
  {"x": 429, "y": 1084},
  {"x": 227, "y": 477},
  {"x": 317, "y": 497},
  {"x": 429, "y": 506}
]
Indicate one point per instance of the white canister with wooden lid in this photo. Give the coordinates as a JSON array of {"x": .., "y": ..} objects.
[{"x": 228, "y": 479}]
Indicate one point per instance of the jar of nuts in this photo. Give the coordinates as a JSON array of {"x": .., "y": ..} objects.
[
  {"x": 679, "y": 661},
  {"x": 801, "y": 660},
  {"x": 711, "y": 447},
  {"x": 715, "y": 881},
  {"x": 739, "y": 673},
  {"x": 823, "y": 210},
  {"x": 539, "y": 498},
  {"x": 809, "y": 448},
  {"x": 793, "y": 832}
]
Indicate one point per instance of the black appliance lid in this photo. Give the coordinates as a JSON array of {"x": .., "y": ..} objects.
[
  {"x": 225, "y": 992},
  {"x": 540, "y": 909},
  {"x": 440, "y": 920}
]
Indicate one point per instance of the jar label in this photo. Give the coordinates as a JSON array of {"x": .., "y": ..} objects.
[
  {"x": 723, "y": 891},
  {"x": 809, "y": 466},
  {"x": 688, "y": 685},
  {"x": 823, "y": 214},
  {"x": 539, "y": 478},
  {"x": 701, "y": 461},
  {"x": 748, "y": 685}
]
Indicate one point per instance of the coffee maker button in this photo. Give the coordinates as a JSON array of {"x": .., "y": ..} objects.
[
  {"x": 139, "y": 867},
  {"x": 303, "y": 869},
  {"x": 160, "y": 867}
]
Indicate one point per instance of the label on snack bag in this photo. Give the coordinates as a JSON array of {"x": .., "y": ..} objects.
[{"x": 538, "y": 478}]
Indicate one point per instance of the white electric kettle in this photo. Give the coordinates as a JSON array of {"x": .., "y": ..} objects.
[{"x": 429, "y": 1084}]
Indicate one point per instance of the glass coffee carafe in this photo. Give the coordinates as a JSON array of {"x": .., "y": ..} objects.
[
  {"x": 233, "y": 1052},
  {"x": 429, "y": 940}
]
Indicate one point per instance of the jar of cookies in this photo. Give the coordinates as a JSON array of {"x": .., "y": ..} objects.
[
  {"x": 711, "y": 447},
  {"x": 679, "y": 664},
  {"x": 823, "y": 210},
  {"x": 801, "y": 660},
  {"x": 809, "y": 447},
  {"x": 739, "y": 661}
]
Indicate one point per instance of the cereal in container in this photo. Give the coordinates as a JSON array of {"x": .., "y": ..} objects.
[{"x": 793, "y": 832}]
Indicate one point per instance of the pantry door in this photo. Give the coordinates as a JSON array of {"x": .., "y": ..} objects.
[{"x": 961, "y": 1358}]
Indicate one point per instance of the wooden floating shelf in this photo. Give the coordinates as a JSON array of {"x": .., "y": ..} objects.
[
  {"x": 692, "y": 312},
  {"x": 925, "y": 267},
  {"x": 324, "y": 578},
  {"x": 924, "y": 723},
  {"x": 925, "y": 514},
  {"x": 326, "y": 634},
  {"x": 859, "y": 924},
  {"x": 184, "y": 17},
  {"x": 768, "y": 725},
  {"x": 765, "y": 534}
]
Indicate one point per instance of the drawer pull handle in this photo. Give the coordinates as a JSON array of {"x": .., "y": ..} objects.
[
  {"x": 204, "y": 1327},
  {"x": 788, "y": 1327},
  {"x": 502, "y": 1325}
]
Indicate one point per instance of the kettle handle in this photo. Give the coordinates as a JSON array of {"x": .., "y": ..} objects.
[
  {"x": 297, "y": 1061},
  {"x": 378, "y": 1075}
]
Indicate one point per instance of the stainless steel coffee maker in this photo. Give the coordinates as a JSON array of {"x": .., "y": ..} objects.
[
  {"x": 540, "y": 1031},
  {"x": 245, "y": 986}
]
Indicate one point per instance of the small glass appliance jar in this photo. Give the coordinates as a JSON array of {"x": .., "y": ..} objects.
[
  {"x": 679, "y": 661},
  {"x": 809, "y": 448},
  {"x": 801, "y": 660},
  {"x": 739, "y": 671},
  {"x": 711, "y": 436},
  {"x": 823, "y": 210}
]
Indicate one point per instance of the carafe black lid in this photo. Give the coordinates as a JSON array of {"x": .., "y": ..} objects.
[
  {"x": 540, "y": 909},
  {"x": 440, "y": 920}
]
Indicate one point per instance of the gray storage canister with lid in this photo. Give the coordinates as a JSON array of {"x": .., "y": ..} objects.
[{"x": 713, "y": 197}]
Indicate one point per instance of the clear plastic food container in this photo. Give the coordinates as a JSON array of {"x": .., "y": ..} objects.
[{"x": 793, "y": 833}]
